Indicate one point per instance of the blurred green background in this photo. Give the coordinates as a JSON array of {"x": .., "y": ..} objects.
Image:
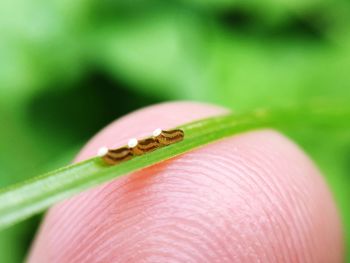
[{"x": 68, "y": 68}]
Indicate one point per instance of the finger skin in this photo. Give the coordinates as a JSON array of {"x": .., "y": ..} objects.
[{"x": 254, "y": 197}]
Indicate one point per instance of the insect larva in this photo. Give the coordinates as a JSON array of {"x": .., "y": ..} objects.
[
  {"x": 168, "y": 137},
  {"x": 145, "y": 145},
  {"x": 114, "y": 156},
  {"x": 159, "y": 139}
]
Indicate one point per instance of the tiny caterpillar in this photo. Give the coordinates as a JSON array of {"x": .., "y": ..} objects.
[
  {"x": 159, "y": 139},
  {"x": 169, "y": 137},
  {"x": 145, "y": 146},
  {"x": 114, "y": 156}
]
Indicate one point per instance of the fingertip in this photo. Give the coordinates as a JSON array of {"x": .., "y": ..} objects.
[{"x": 254, "y": 197}]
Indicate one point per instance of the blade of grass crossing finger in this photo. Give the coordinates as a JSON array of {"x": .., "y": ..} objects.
[{"x": 23, "y": 200}]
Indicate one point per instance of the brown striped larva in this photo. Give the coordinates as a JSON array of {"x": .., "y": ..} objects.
[
  {"x": 168, "y": 137},
  {"x": 136, "y": 147},
  {"x": 115, "y": 156},
  {"x": 144, "y": 146}
]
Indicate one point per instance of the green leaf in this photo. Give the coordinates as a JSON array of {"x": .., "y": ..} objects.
[{"x": 31, "y": 197}]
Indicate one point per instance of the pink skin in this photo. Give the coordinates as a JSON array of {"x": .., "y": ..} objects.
[{"x": 254, "y": 197}]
